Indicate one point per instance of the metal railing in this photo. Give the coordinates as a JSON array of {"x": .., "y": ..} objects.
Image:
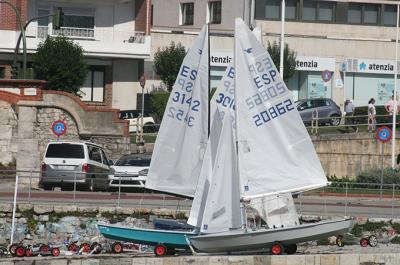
[{"x": 340, "y": 198}]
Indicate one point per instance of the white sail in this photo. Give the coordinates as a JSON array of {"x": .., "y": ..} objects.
[
  {"x": 276, "y": 154},
  {"x": 181, "y": 141},
  {"x": 277, "y": 210},
  {"x": 222, "y": 207}
]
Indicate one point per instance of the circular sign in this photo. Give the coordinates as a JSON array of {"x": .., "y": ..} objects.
[
  {"x": 59, "y": 127},
  {"x": 326, "y": 75},
  {"x": 384, "y": 134},
  {"x": 142, "y": 81}
]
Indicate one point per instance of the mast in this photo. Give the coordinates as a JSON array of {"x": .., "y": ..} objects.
[
  {"x": 242, "y": 206},
  {"x": 209, "y": 82}
]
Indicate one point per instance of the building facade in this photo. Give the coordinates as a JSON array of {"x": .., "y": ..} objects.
[
  {"x": 345, "y": 49},
  {"x": 114, "y": 35}
]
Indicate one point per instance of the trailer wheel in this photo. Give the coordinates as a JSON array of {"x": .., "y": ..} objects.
[
  {"x": 73, "y": 247},
  {"x": 44, "y": 249},
  {"x": 12, "y": 248},
  {"x": 277, "y": 248},
  {"x": 364, "y": 242},
  {"x": 85, "y": 247},
  {"x": 28, "y": 252},
  {"x": 291, "y": 249},
  {"x": 55, "y": 252},
  {"x": 20, "y": 251},
  {"x": 339, "y": 241},
  {"x": 96, "y": 248},
  {"x": 160, "y": 250},
  {"x": 372, "y": 241},
  {"x": 117, "y": 248},
  {"x": 3, "y": 251}
]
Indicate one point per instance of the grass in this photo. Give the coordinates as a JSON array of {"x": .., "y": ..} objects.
[{"x": 147, "y": 137}]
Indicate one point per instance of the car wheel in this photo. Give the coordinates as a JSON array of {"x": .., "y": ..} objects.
[
  {"x": 334, "y": 120},
  {"x": 47, "y": 187}
]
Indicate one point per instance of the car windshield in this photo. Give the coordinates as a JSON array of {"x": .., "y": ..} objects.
[
  {"x": 65, "y": 151},
  {"x": 133, "y": 162}
]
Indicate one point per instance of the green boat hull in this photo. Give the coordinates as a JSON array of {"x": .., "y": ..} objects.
[{"x": 171, "y": 239}]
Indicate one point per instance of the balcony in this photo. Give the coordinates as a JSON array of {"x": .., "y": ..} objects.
[{"x": 96, "y": 41}]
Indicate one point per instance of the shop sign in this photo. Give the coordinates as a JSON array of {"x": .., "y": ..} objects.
[
  {"x": 359, "y": 65},
  {"x": 221, "y": 58},
  {"x": 319, "y": 64}
]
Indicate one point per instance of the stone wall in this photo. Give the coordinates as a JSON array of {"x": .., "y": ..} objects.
[{"x": 8, "y": 130}]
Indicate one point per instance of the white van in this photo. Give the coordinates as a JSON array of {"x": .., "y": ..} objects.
[{"x": 66, "y": 164}]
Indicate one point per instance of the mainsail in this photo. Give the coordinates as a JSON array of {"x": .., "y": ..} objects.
[
  {"x": 181, "y": 141},
  {"x": 276, "y": 154}
]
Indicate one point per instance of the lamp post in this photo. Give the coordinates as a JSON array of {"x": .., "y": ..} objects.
[
  {"x": 142, "y": 82},
  {"x": 395, "y": 91},
  {"x": 282, "y": 38}
]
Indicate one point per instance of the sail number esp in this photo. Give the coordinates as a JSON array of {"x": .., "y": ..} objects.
[{"x": 185, "y": 81}]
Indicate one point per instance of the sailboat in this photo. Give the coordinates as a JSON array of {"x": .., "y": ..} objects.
[
  {"x": 273, "y": 156},
  {"x": 179, "y": 148}
]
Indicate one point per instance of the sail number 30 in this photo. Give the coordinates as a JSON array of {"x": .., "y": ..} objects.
[{"x": 273, "y": 112}]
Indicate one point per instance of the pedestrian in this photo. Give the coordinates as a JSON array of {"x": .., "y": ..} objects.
[
  {"x": 371, "y": 115},
  {"x": 389, "y": 108},
  {"x": 349, "y": 110}
]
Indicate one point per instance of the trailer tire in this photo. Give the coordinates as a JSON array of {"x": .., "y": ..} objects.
[
  {"x": 160, "y": 250},
  {"x": 117, "y": 247}
]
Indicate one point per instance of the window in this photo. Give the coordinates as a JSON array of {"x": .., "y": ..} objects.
[
  {"x": 354, "y": 14},
  {"x": 272, "y": 9},
  {"x": 65, "y": 151},
  {"x": 94, "y": 153},
  {"x": 371, "y": 14},
  {"x": 43, "y": 23},
  {"x": 93, "y": 88},
  {"x": 77, "y": 23},
  {"x": 214, "y": 12},
  {"x": 309, "y": 10},
  {"x": 187, "y": 11},
  {"x": 389, "y": 15},
  {"x": 105, "y": 159},
  {"x": 291, "y": 9},
  {"x": 325, "y": 11}
]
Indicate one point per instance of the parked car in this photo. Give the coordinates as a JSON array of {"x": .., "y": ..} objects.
[
  {"x": 133, "y": 115},
  {"x": 67, "y": 162},
  {"x": 130, "y": 172},
  {"x": 328, "y": 111}
]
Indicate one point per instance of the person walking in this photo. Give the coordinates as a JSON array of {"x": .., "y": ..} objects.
[
  {"x": 349, "y": 109},
  {"x": 389, "y": 108},
  {"x": 371, "y": 115}
]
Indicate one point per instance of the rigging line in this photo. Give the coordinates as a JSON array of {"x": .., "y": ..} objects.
[{"x": 209, "y": 82}]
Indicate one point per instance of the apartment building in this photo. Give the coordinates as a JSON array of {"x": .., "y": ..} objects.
[
  {"x": 345, "y": 49},
  {"x": 115, "y": 36}
]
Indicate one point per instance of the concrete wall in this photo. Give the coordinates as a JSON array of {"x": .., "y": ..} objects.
[{"x": 8, "y": 131}]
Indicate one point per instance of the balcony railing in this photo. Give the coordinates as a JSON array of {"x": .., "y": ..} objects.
[{"x": 104, "y": 34}]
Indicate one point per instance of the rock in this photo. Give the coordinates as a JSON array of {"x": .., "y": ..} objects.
[
  {"x": 67, "y": 208},
  {"x": 6, "y": 207},
  {"x": 104, "y": 209},
  {"x": 43, "y": 209},
  {"x": 22, "y": 221},
  {"x": 44, "y": 218},
  {"x": 25, "y": 207},
  {"x": 88, "y": 209}
]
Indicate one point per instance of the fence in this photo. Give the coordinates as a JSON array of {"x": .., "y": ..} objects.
[{"x": 340, "y": 198}]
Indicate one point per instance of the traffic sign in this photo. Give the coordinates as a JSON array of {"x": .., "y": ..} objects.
[
  {"x": 59, "y": 127},
  {"x": 326, "y": 75},
  {"x": 383, "y": 134}
]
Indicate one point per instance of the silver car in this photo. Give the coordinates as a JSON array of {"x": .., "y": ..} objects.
[
  {"x": 66, "y": 163},
  {"x": 328, "y": 111},
  {"x": 130, "y": 172}
]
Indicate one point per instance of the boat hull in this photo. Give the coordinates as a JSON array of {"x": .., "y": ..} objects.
[
  {"x": 171, "y": 239},
  {"x": 240, "y": 240}
]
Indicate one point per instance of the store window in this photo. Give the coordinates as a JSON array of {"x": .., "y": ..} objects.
[
  {"x": 389, "y": 15},
  {"x": 187, "y": 12},
  {"x": 93, "y": 88},
  {"x": 354, "y": 13},
  {"x": 371, "y": 14},
  {"x": 214, "y": 11}
]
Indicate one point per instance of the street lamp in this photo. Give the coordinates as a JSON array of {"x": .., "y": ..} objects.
[
  {"x": 282, "y": 38},
  {"x": 395, "y": 91},
  {"x": 142, "y": 82}
]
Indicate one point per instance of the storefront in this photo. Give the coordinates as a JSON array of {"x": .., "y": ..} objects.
[
  {"x": 313, "y": 77},
  {"x": 367, "y": 78}
]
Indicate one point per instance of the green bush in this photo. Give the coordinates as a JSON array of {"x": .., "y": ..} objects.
[
  {"x": 357, "y": 230},
  {"x": 395, "y": 240},
  {"x": 158, "y": 102},
  {"x": 390, "y": 176},
  {"x": 363, "y": 111}
]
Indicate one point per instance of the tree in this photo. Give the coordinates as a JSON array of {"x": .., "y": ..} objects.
[
  {"x": 167, "y": 62},
  {"x": 158, "y": 103},
  {"x": 60, "y": 62},
  {"x": 289, "y": 59}
]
